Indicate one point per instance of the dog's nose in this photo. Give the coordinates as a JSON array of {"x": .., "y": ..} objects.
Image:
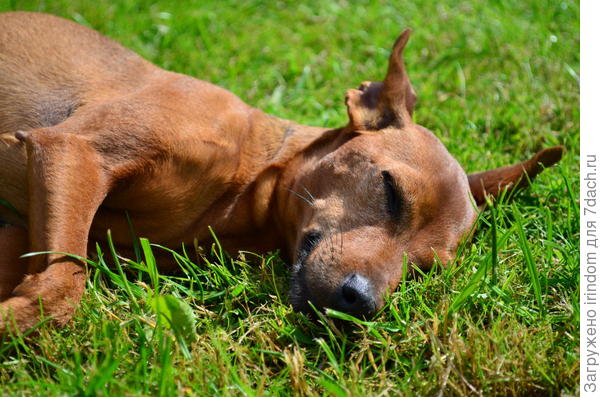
[{"x": 356, "y": 296}]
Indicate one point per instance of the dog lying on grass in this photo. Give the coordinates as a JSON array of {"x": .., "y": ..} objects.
[{"x": 90, "y": 131}]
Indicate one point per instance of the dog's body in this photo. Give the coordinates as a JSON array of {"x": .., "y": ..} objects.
[
  {"x": 173, "y": 135},
  {"x": 90, "y": 131}
]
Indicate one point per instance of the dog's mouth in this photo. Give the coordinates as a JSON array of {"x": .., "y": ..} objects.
[
  {"x": 353, "y": 293},
  {"x": 298, "y": 292}
]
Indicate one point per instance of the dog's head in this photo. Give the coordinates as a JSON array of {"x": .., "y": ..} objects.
[{"x": 381, "y": 195}]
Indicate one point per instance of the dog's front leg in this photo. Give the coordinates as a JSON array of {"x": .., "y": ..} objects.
[{"x": 67, "y": 184}]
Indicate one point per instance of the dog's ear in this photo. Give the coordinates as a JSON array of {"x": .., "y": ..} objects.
[
  {"x": 396, "y": 87},
  {"x": 512, "y": 177},
  {"x": 376, "y": 105}
]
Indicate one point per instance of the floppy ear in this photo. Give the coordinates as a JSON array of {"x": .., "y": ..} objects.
[
  {"x": 376, "y": 105},
  {"x": 512, "y": 177}
]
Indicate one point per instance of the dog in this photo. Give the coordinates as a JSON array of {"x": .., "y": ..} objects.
[{"x": 90, "y": 131}]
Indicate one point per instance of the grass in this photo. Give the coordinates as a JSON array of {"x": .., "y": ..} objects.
[{"x": 496, "y": 81}]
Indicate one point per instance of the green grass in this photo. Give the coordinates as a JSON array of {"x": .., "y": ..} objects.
[{"x": 496, "y": 81}]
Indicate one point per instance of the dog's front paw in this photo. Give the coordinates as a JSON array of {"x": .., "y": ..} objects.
[{"x": 52, "y": 294}]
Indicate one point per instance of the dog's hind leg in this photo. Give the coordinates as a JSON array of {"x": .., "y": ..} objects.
[
  {"x": 13, "y": 195},
  {"x": 13, "y": 180},
  {"x": 13, "y": 244},
  {"x": 66, "y": 184}
]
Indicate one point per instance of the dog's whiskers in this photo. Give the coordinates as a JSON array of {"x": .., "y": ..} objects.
[
  {"x": 312, "y": 198},
  {"x": 306, "y": 200}
]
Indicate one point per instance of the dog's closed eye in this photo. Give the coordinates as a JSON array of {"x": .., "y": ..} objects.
[
  {"x": 393, "y": 196},
  {"x": 309, "y": 242}
]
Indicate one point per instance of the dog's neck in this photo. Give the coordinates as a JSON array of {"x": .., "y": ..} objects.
[
  {"x": 273, "y": 146},
  {"x": 281, "y": 139}
]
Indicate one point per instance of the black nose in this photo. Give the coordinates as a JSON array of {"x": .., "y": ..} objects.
[{"x": 356, "y": 296}]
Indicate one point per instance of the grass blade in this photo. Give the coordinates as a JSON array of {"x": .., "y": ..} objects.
[{"x": 531, "y": 268}]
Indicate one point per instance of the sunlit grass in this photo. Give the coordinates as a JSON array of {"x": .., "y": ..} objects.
[{"x": 496, "y": 81}]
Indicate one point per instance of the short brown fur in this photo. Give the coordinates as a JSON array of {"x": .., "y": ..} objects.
[{"x": 89, "y": 131}]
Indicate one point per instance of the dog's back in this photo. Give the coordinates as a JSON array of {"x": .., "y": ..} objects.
[
  {"x": 50, "y": 66},
  {"x": 56, "y": 73}
]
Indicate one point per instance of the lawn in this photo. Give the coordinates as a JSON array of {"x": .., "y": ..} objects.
[{"x": 496, "y": 81}]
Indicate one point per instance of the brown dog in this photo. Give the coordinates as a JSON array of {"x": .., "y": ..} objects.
[{"x": 89, "y": 130}]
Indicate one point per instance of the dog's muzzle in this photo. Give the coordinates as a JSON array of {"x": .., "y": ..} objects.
[{"x": 355, "y": 296}]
